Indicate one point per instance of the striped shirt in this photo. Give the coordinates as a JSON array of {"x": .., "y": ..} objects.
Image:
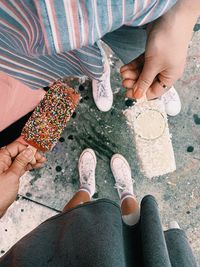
[{"x": 44, "y": 40}]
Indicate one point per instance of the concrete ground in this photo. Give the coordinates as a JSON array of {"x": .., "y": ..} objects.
[{"x": 44, "y": 192}]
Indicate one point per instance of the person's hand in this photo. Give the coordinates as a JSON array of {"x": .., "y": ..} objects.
[
  {"x": 162, "y": 64},
  {"x": 15, "y": 160}
]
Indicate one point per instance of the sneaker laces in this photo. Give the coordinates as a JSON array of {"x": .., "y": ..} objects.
[
  {"x": 169, "y": 96},
  {"x": 124, "y": 187},
  {"x": 101, "y": 92},
  {"x": 125, "y": 183},
  {"x": 86, "y": 173},
  {"x": 101, "y": 84}
]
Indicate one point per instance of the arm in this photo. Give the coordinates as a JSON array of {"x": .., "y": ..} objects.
[
  {"x": 190, "y": 8},
  {"x": 165, "y": 54}
]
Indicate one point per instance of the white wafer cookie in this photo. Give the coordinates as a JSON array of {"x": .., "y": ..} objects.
[{"x": 149, "y": 125}]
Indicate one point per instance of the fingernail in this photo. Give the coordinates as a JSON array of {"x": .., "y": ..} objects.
[
  {"x": 138, "y": 93},
  {"x": 28, "y": 152},
  {"x": 129, "y": 94}
]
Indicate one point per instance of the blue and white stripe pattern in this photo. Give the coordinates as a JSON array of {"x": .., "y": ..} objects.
[{"x": 44, "y": 40}]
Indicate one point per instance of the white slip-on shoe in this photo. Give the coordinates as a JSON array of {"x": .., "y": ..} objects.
[
  {"x": 171, "y": 101},
  {"x": 174, "y": 225},
  {"x": 101, "y": 89},
  {"x": 86, "y": 167},
  {"x": 122, "y": 174}
]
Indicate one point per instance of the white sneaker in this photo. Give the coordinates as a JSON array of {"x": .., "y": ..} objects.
[
  {"x": 101, "y": 89},
  {"x": 86, "y": 167},
  {"x": 174, "y": 225},
  {"x": 122, "y": 174},
  {"x": 172, "y": 102}
]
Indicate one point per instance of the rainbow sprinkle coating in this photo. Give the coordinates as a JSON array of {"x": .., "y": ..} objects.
[{"x": 44, "y": 127}]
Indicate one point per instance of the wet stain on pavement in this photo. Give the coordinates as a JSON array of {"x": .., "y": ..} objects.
[
  {"x": 196, "y": 27},
  {"x": 190, "y": 149},
  {"x": 58, "y": 169},
  {"x": 130, "y": 102},
  {"x": 81, "y": 88},
  {"x": 74, "y": 115},
  {"x": 196, "y": 119},
  {"x": 74, "y": 181},
  {"x": 62, "y": 139}
]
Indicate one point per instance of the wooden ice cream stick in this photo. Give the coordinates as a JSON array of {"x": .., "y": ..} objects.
[{"x": 142, "y": 99}]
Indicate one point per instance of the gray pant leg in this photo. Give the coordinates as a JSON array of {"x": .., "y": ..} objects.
[
  {"x": 127, "y": 42},
  {"x": 180, "y": 252},
  {"x": 155, "y": 253}
]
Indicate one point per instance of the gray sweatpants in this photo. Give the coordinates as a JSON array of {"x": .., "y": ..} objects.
[{"x": 127, "y": 42}]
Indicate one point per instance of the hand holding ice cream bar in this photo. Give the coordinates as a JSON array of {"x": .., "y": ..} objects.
[{"x": 44, "y": 127}]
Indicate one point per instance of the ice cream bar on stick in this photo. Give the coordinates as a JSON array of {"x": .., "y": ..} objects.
[
  {"x": 149, "y": 125},
  {"x": 44, "y": 127}
]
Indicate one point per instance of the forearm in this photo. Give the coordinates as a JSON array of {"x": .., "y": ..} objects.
[
  {"x": 188, "y": 10},
  {"x": 182, "y": 16}
]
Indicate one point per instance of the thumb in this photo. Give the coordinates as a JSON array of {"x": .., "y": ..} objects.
[
  {"x": 21, "y": 161},
  {"x": 145, "y": 80}
]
